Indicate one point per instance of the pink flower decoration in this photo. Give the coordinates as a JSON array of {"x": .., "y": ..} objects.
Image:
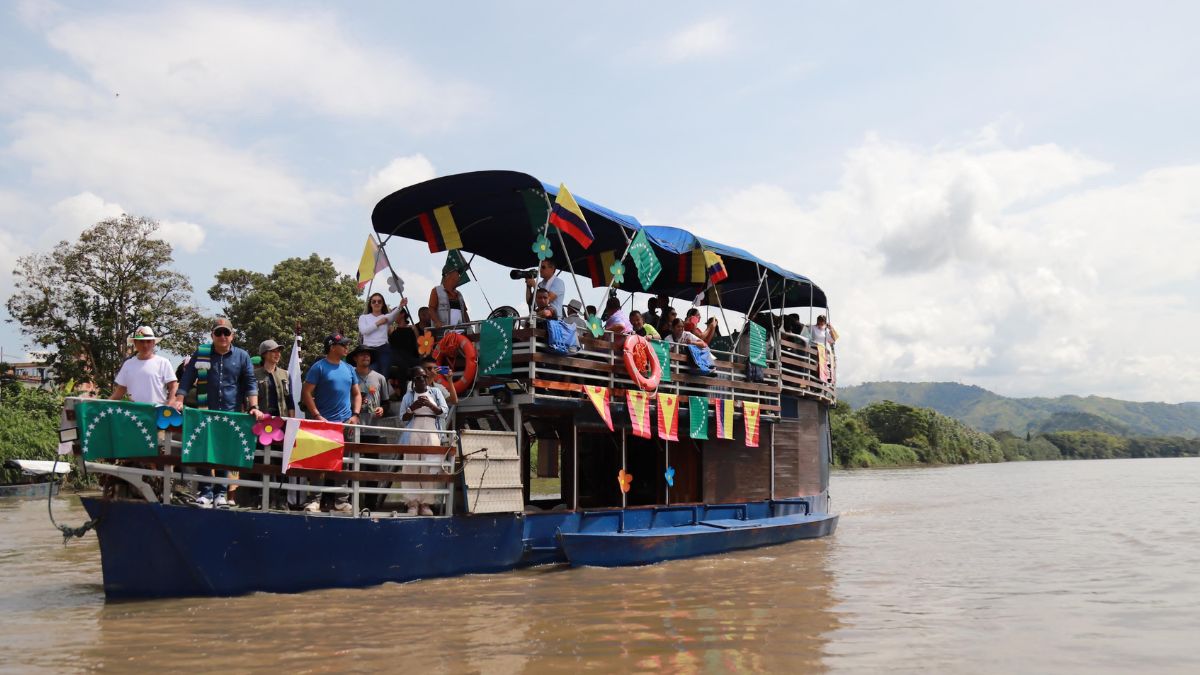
[{"x": 269, "y": 430}]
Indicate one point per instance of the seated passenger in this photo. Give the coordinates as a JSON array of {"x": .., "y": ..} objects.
[
  {"x": 590, "y": 311},
  {"x": 641, "y": 327},
  {"x": 549, "y": 282},
  {"x": 668, "y": 318},
  {"x": 615, "y": 319},
  {"x": 692, "y": 325},
  {"x": 574, "y": 318},
  {"x": 542, "y": 307},
  {"x": 679, "y": 335},
  {"x": 651, "y": 316},
  {"x": 447, "y": 306}
]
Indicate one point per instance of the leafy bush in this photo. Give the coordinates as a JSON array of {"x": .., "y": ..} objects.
[
  {"x": 28, "y": 427},
  {"x": 897, "y": 455}
]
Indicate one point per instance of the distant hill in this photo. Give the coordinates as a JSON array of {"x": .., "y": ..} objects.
[{"x": 987, "y": 411}]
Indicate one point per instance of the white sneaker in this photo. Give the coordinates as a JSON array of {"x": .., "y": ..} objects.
[
  {"x": 342, "y": 507},
  {"x": 204, "y": 502},
  {"x": 221, "y": 502},
  {"x": 313, "y": 506}
]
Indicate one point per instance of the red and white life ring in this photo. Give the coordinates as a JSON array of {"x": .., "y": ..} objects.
[
  {"x": 446, "y": 353},
  {"x": 638, "y": 355}
]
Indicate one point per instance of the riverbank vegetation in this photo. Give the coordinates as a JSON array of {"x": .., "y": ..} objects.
[
  {"x": 892, "y": 434},
  {"x": 28, "y": 426}
]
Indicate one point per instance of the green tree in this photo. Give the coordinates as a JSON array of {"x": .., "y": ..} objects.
[
  {"x": 28, "y": 427},
  {"x": 853, "y": 443},
  {"x": 307, "y": 292},
  {"x": 82, "y": 300}
]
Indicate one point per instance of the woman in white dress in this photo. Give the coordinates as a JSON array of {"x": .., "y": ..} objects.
[{"x": 422, "y": 410}]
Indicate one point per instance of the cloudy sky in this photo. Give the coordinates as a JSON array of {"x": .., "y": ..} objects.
[{"x": 1004, "y": 196}]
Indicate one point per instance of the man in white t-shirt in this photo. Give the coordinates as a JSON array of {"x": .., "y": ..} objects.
[
  {"x": 554, "y": 285},
  {"x": 147, "y": 377}
]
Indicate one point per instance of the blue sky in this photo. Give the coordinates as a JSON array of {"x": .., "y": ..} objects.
[{"x": 1002, "y": 195}]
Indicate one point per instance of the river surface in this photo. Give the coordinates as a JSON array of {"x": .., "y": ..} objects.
[{"x": 1033, "y": 567}]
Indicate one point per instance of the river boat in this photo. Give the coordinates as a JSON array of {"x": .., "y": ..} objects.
[
  {"x": 40, "y": 478},
  {"x": 707, "y": 454}
]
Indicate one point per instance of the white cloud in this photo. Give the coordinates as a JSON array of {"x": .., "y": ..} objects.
[
  {"x": 226, "y": 60},
  {"x": 181, "y": 235},
  {"x": 399, "y": 173},
  {"x": 698, "y": 40},
  {"x": 166, "y": 171},
  {"x": 75, "y": 214},
  {"x": 994, "y": 265}
]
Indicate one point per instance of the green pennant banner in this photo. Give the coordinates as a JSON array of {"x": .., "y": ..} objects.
[
  {"x": 215, "y": 437},
  {"x": 643, "y": 256},
  {"x": 698, "y": 417},
  {"x": 758, "y": 345},
  {"x": 116, "y": 429},
  {"x": 538, "y": 210},
  {"x": 664, "y": 358},
  {"x": 496, "y": 346}
]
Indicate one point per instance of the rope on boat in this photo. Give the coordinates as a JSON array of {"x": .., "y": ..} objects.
[{"x": 67, "y": 531}]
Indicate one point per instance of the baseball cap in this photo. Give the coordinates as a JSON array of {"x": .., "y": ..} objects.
[
  {"x": 267, "y": 346},
  {"x": 336, "y": 339},
  {"x": 223, "y": 323}
]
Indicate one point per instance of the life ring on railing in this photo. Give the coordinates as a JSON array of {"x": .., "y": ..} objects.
[
  {"x": 446, "y": 354},
  {"x": 638, "y": 355}
]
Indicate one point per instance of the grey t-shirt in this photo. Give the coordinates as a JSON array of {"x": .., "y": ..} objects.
[{"x": 374, "y": 389}]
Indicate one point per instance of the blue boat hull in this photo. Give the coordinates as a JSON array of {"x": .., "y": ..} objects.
[
  {"x": 643, "y": 547},
  {"x": 155, "y": 550}
]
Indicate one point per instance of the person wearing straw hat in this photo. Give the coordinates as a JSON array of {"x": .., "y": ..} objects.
[{"x": 146, "y": 377}]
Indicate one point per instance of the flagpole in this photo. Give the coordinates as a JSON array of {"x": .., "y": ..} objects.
[
  {"x": 757, "y": 288},
  {"x": 391, "y": 269},
  {"x": 476, "y": 278}
]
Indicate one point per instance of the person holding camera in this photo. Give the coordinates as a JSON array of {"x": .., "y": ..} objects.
[
  {"x": 692, "y": 325},
  {"x": 549, "y": 280}
]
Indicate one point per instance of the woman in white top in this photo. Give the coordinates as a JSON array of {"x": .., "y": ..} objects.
[
  {"x": 374, "y": 326},
  {"x": 823, "y": 333}
]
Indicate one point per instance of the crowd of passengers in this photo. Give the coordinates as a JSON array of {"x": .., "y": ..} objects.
[{"x": 384, "y": 375}]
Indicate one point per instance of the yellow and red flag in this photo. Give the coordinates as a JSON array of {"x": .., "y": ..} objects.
[
  {"x": 599, "y": 397},
  {"x": 750, "y": 414},
  {"x": 724, "y": 414},
  {"x": 668, "y": 417},
  {"x": 440, "y": 230},
  {"x": 638, "y": 403},
  {"x": 309, "y": 444}
]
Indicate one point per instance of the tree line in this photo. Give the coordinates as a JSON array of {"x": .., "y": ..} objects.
[{"x": 893, "y": 434}]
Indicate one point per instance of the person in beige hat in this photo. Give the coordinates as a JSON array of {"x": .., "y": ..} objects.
[{"x": 145, "y": 377}]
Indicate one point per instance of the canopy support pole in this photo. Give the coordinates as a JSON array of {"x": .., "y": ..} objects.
[
  {"x": 476, "y": 278},
  {"x": 761, "y": 280}
]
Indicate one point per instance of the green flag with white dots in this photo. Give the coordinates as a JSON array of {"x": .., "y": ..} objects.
[
  {"x": 116, "y": 429},
  {"x": 216, "y": 437}
]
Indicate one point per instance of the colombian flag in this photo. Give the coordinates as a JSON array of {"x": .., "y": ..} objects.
[
  {"x": 714, "y": 267},
  {"x": 568, "y": 217},
  {"x": 750, "y": 414},
  {"x": 668, "y": 417},
  {"x": 313, "y": 445},
  {"x": 701, "y": 267},
  {"x": 724, "y": 413},
  {"x": 638, "y": 403},
  {"x": 598, "y": 268},
  {"x": 441, "y": 232}
]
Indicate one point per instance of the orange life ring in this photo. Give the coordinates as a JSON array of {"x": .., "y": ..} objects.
[
  {"x": 446, "y": 354},
  {"x": 638, "y": 355}
]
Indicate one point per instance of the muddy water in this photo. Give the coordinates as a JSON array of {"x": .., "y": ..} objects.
[{"x": 1085, "y": 566}]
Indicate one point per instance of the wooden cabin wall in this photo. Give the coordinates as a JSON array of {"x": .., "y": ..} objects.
[
  {"x": 733, "y": 472},
  {"x": 801, "y": 453}
]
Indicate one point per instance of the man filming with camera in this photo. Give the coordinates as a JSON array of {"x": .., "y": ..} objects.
[{"x": 549, "y": 281}]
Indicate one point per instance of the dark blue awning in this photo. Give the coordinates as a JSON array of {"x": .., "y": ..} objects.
[{"x": 495, "y": 212}]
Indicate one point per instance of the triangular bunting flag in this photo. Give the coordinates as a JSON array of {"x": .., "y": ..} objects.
[
  {"x": 750, "y": 411},
  {"x": 668, "y": 417},
  {"x": 723, "y": 411},
  {"x": 599, "y": 397},
  {"x": 698, "y": 417},
  {"x": 309, "y": 444},
  {"x": 638, "y": 403}
]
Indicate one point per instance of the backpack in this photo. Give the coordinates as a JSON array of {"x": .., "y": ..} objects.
[
  {"x": 561, "y": 337},
  {"x": 702, "y": 359}
]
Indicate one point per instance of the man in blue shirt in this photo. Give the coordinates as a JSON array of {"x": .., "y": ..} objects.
[
  {"x": 230, "y": 387},
  {"x": 331, "y": 394}
]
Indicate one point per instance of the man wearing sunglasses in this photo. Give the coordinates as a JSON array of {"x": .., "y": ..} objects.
[{"x": 230, "y": 387}]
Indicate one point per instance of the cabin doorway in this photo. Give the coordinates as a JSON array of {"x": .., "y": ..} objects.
[{"x": 685, "y": 458}]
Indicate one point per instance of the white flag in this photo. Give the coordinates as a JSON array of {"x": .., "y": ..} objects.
[{"x": 294, "y": 378}]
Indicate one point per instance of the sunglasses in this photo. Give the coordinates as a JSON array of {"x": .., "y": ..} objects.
[{"x": 222, "y": 332}]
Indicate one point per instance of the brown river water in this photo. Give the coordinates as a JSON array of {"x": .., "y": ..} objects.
[{"x": 1033, "y": 567}]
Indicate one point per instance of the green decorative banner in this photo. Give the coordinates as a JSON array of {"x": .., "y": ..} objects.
[
  {"x": 537, "y": 208},
  {"x": 116, "y": 429},
  {"x": 496, "y": 347},
  {"x": 455, "y": 262},
  {"x": 643, "y": 256},
  {"x": 698, "y": 417},
  {"x": 215, "y": 437},
  {"x": 758, "y": 345},
  {"x": 664, "y": 358}
]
